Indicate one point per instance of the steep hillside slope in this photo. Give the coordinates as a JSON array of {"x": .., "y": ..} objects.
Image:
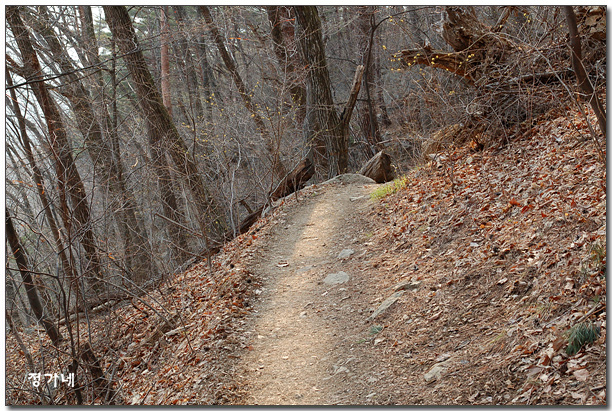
[
  {"x": 510, "y": 249},
  {"x": 490, "y": 258}
]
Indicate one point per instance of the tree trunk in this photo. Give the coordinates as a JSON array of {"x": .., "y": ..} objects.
[
  {"x": 368, "y": 114},
  {"x": 165, "y": 61},
  {"x": 102, "y": 145},
  {"x": 581, "y": 76},
  {"x": 380, "y": 100},
  {"x": 162, "y": 131},
  {"x": 26, "y": 352},
  {"x": 325, "y": 137},
  {"x": 67, "y": 266},
  {"x": 190, "y": 72},
  {"x": 22, "y": 264},
  {"x": 208, "y": 80},
  {"x": 271, "y": 146},
  {"x": 67, "y": 174},
  {"x": 282, "y": 33}
]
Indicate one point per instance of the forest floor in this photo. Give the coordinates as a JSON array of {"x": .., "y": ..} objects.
[{"x": 484, "y": 261}]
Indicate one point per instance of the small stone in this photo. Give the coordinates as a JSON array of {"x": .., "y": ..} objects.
[
  {"x": 442, "y": 357},
  {"x": 336, "y": 278},
  {"x": 386, "y": 304},
  {"x": 407, "y": 285},
  {"x": 435, "y": 372},
  {"x": 346, "y": 253}
]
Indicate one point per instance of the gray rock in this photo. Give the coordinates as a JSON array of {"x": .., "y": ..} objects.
[
  {"x": 346, "y": 253},
  {"x": 442, "y": 357},
  {"x": 379, "y": 168},
  {"x": 407, "y": 285},
  {"x": 336, "y": 278},
  {"x": 435, "y": 372},
  {"x": 386, "y": 304}
]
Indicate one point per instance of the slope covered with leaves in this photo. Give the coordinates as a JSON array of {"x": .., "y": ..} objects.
[
  {"x": 504, "y": 252},
  {"x": 173, "y": 346},
  {"x": 510, "y": 248}
]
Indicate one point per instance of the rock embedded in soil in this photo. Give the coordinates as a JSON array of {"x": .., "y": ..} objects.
[
  {"x": 386, "y": 304},
  {"x": 346, "y": 253},
  {"x": 436, "y": 371},
  {"x": 336, "y": 278},
  {"x": 407, "y": 285}
]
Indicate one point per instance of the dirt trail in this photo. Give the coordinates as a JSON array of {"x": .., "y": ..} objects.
[{"x": 310, "y": 340}]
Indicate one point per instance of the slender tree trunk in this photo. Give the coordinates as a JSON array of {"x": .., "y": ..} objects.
[
  {"x": 22, "y": 264},
  {"x": 380, "y": 99},
  {"x": 208, "y": 79},
  {"x": 103, "y": 146},
  {"x": 26, "y": 352},
  {"x": 162, "y": 131},
  {"x": 368, "y": 114},
  {"x": 271, "y": 146},
  {"x": 165, "y": 61},
  {"x": 67, "y": 266},
  {"x": 68, "y": 176},
  {"x": 190, "y": 72},
  {"x": 581, "y": 76}
]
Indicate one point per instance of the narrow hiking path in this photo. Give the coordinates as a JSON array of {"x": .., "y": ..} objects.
[{"x": 308, "y": 326}]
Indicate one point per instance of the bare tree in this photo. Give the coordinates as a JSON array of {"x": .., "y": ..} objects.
[
  {"x": 165, "y": 61},
  {"x": 103, "y": 150},
  {"x": 22, "y": 263},
  {"x": 163, "y": 134},
  {"x": 283, "y": 39},
  {"x": 67, "y": 174},
  {"x": 581, "y": 76},
  {"x": 271, "y": 146},
  {"x": 327, "y": 131}
]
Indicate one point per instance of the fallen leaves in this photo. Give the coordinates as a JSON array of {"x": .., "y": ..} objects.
[{"x": 515, "y": 229}]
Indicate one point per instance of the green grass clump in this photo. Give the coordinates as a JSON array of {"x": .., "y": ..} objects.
[
  {"x": 389, "y": 188},
  {"x": 581, "y": 335},
  {"x": 375, "y": 329}
]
